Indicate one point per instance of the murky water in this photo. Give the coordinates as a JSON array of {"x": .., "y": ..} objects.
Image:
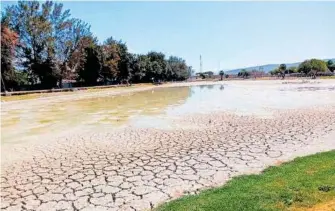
[
  {"x": 46, "y": 118},
  {"x": 155, "y": 108}
]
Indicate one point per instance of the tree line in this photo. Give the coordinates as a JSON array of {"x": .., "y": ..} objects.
[
  {"x": 42, "y": 45},
  {"x": 310, "y": 67}
]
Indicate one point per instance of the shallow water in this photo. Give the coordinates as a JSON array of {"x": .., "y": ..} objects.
[
  {"x": 253, "y": 99},
  {"x": 156, "y": 108},
  {"x": 47, "y": 118}
]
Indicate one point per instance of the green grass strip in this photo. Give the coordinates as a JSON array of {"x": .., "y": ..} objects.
[{"x": 301, "y": 183}]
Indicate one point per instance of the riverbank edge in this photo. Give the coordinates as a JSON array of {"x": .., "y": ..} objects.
[{"x": 112, "y": 90}]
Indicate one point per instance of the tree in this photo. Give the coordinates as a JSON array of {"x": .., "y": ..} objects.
[
  {"x": 9, "y": 41},
  {"x": 274, "y": 72},
  {"x": 221, "y": 74},
  {"x": 292, "y": 70},
  {"x": 48, "y": 72},
  {"x": 71, "y": 37},
  {"x": 51, "y": 46},
  {"x": 48, "y": 36},
  {"x": 31, "y": 23},
  {"x": 177, "y": 69},
  {"x": 331, "y": 65},
  {"x": 90, "y": 71},
  {"x": 312, "y": 66},
  {"x": 243, "y": 73},
  {"x": 157, "y": 66},
  {"x": 110, "y": 60},
  {"x": 282, "y": 70},
  {"x": 21, "y": 78},
  {"x": 139, "y": 66},
  {"x": 78, "y": 57},
  {"x": 124, "y": 63}
]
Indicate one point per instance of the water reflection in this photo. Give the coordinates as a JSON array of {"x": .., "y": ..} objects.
[
  {"x": 206, "y": 86},
  {"x": 250, "y": 99}
]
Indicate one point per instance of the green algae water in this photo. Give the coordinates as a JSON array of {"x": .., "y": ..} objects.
[{"x": 115, "y": 111}]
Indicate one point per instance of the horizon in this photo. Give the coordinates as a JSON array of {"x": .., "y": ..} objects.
[
  {"x": 287, "y": 63},
  {"x": 228, "y": 35}
]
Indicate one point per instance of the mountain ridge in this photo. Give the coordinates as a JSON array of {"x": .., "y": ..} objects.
[{"x": 267, "y": 67}]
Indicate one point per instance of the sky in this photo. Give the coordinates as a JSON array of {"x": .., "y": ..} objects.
[{"x": 227, "y": 35}]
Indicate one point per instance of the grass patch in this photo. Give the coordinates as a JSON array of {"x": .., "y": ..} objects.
[{"x": 297, "y": 185}]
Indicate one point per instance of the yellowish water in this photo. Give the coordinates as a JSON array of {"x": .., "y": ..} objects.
[{"x": 115, "y": 111}]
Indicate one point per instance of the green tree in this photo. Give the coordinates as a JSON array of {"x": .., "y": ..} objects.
[
  {"x": 110, "y": 60},
  {"x": 243, "y": 73},
  {"x": 48, "y": 72},
  {"x": 273, "y": 72},
  {"x": 282, "y": 70},
  {"x": 71, "y": 37},
  {"x": 90, "y": 70},
  {"x": 312, "y": 66},
  {"x": 292, "y": 70},
  {"x": 48, "y": 36},
  {"x": 53, "y": 46},
  {"x": 221, "y": 74},
  {"x": 177, "y": 69},
  {"x": 157, "y": 67},
  {"x": 124, "y": 63},
  {"x": 139, "y": 66},
  {"x": 30, "y": 21},
  {"x": 331, "y": 65},
  {"x": 21, "y": 78}
]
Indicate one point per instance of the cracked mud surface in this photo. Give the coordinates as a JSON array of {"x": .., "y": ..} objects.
[
  {"x": 102, "y": 167},
  {"x": 135, "y": 169}
]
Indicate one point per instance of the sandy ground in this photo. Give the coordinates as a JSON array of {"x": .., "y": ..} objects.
[{"x": 138, "y": 168}]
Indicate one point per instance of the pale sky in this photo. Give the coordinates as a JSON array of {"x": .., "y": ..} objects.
[{"x": 227, "y": 34}]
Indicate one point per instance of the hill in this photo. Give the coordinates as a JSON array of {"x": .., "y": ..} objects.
[{"x": 266, "y": 68}]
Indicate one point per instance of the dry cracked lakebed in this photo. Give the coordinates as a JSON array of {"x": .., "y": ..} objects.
[{"x": 134, "y": 168}]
